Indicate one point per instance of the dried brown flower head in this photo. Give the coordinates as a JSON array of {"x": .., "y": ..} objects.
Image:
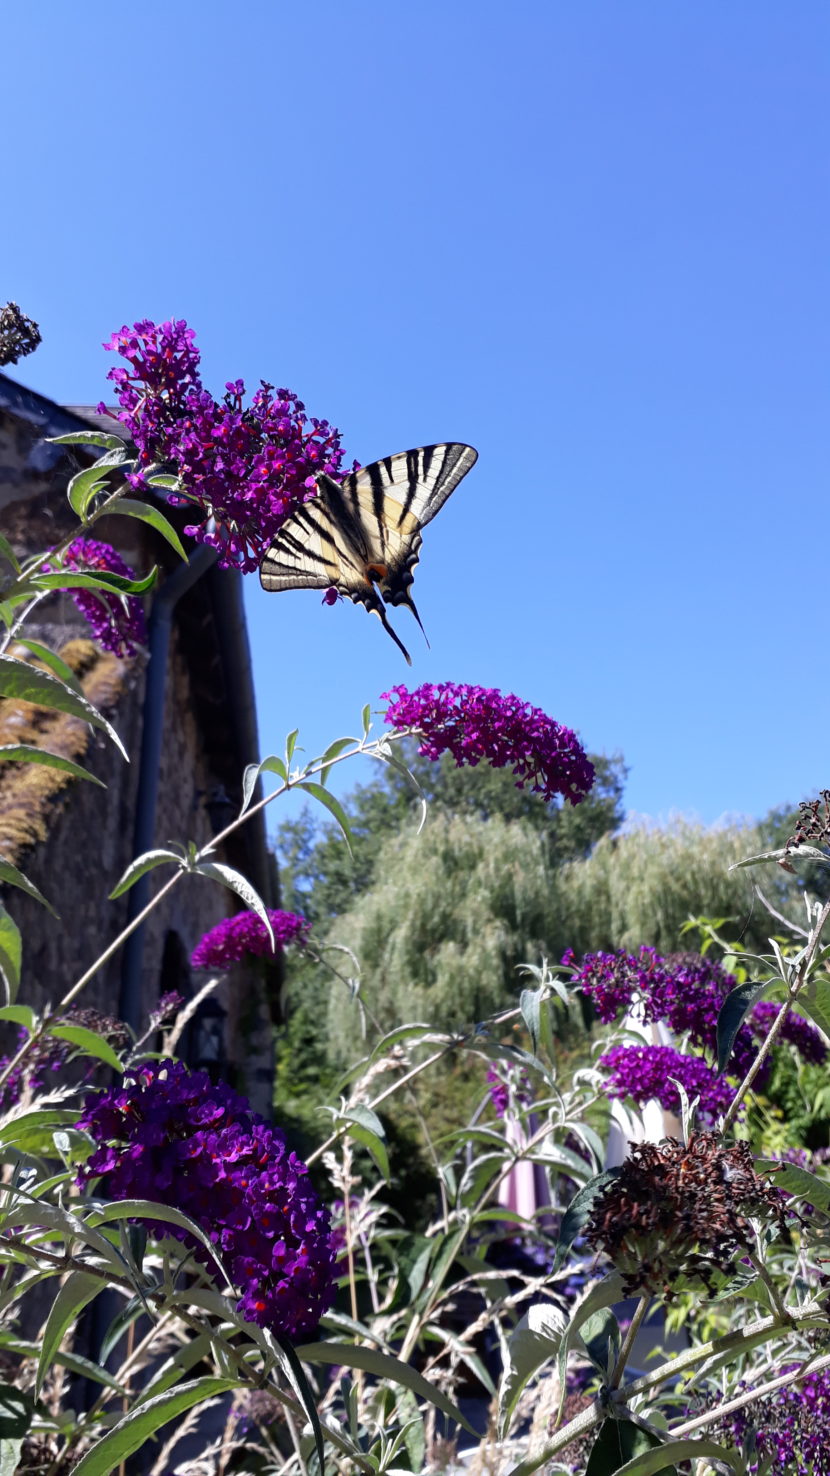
[
  {"x": 680, "y": 1210},
  {"x": 812, "y": 826},
  {"x": 19, "y": 335}
]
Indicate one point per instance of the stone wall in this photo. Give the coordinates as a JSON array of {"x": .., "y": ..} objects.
[{"x": 90, "y": 830}]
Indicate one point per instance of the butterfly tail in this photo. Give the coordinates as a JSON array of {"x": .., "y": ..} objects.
[
  {"x": 381, "y": 614},
  {"x": 403, "y": 599}
]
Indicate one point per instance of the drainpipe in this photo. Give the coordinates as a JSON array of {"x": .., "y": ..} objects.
[{"x": 161, "y": 620}]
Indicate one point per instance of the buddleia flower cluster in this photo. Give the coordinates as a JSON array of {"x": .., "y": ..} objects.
[
  {"x": 482, "y": 723},
  {"x": 246, "y": 468},
  {"x": 50, "y": 1053},
  {"x": 171, "y": 1135},
  {"x": 508, "y": 1084},
  {"x": 787, "y": 1431},
  {"x": 681, "y": 1211},
  {"x": 685, "y": 991},
  {"x": 116, "y": 621},
  {"x": 245, "y": 934}
]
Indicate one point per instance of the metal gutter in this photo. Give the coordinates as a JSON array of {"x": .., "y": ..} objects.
[{"x": 152, "y": 732}]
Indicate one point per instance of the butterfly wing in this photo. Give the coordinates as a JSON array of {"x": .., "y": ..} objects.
[
  {"x": 363, "y": 534},
  {"x": 394, "y": 499}
]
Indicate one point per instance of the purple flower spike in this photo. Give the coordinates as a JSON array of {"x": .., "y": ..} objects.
[
  {"x": 245, "y": 933},
  {"x": 642, "y": 1073},
  {"x": 247, "y": 468},
  {"x": 168, "y": 1134},
  {"x": 475, "y": 723},
  {"x": 117, "y": 622}
]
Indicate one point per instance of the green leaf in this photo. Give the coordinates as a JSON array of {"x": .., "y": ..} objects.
[
  {"x": 290, "y": 745},
  {"x": 29, "y": 753},
  {"x": 142, "y": 1422},
  {"x": 340, "y": 745},
  {"x": 141, "y": 866},
  {"x": 270, "y": 765},
  {"x": 663, "y": 1459},
  {"x": 382, "y": 1366},
  {"x": 579, "y": 1212},
  {"x": 10, "y": 1455},
  {"x": 116, "y": 584},
  {"x": 601, "y": 1336},
  {"x": 333, "y": 806},
  {"x": 10, "y": 955},
  {"x": 32, "y": 1133},
  {"x": 814, "y": 1000},
  {"x": 617, "y": 1442},
  {"x": 19, "y": 1015},
  {"x": 366, "y": 719},
  {"x": 169, "y": 483},
  {"x": 366, "y": 1128},
  {"x": 146, "y": 1209},
  {"x": 30, "y": 684},
  {"x": 132, "y": 508},
  {"x": 733, "y": 1012},
  {"x": 78, "y": 1289},
  {"x": 8, "y": 553},
  {"x": 177, "y": 1366},
  {"x": 55, "y": 663},
  {"x": 534, "y": 1341},
  {"x": 602, "y": 1294},
  {"x": 14, "y": 878},
  {"x": 88, "y": 438},
  {"x": 236, "y": 882},
  {"x": 16, "y": 1411},
  {"x": 82, "y": 490},
  {"x": 296, "y": 1376},
  {"x": 87, "y": 1041},
  {"x": 797, "y": 1181},
  {"x": 93, "y": 479},
  {"x": 530, "y": 1004}
]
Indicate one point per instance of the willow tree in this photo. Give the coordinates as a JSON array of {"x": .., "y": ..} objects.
[{"x": 454, "y": 911}]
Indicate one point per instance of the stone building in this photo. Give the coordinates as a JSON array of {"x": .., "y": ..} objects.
[{"x": 184, "y": 710}]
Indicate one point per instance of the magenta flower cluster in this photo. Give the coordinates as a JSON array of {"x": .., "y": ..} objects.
[
  {"x": 475, "y": 723},
  {"x": 500, "y": 1082},
  {"x": 791, "y": 1427},
  {"x": 171, "y": 1135},
  {"x": 798, "y": 1031},
  {"x": 244, "y": 933},
  {"x": 643, "y": 1073},
  {"x": 247, "y": 468},
  {"x": 117, "y": 621},
  {"x": 686, "y": 991}
]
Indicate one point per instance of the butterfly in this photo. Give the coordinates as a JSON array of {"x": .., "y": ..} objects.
[{"x": 362, "y": 536}]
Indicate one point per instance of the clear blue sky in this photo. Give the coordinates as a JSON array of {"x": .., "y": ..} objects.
[{"x": 589, "y": 238}]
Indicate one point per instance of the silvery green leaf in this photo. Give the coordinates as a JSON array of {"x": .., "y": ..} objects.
[
  {"x": 11, "y": 948},
  {"x": 331, "y": 804},
  {"x": 142, "y": 1422},
  {"x": 88, "y": 438},
  {"x": 131, "y": 508},
  {"x": 270, "y": 765},
  {"x": 534, "y": 1342},
  {"x": 29, "y": 753},
  {"x": 236, "y": 882},
  {"x": 30, "y": 684},
  {"x": 78, "y": 1289},
  {"x": 12, "y": 877},
  {"x": 141, "y": 866},
  {"x": 382, "y": 1366}
]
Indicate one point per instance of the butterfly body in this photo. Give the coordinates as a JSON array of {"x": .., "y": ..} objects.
[{"x": 362, "y": 536}]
